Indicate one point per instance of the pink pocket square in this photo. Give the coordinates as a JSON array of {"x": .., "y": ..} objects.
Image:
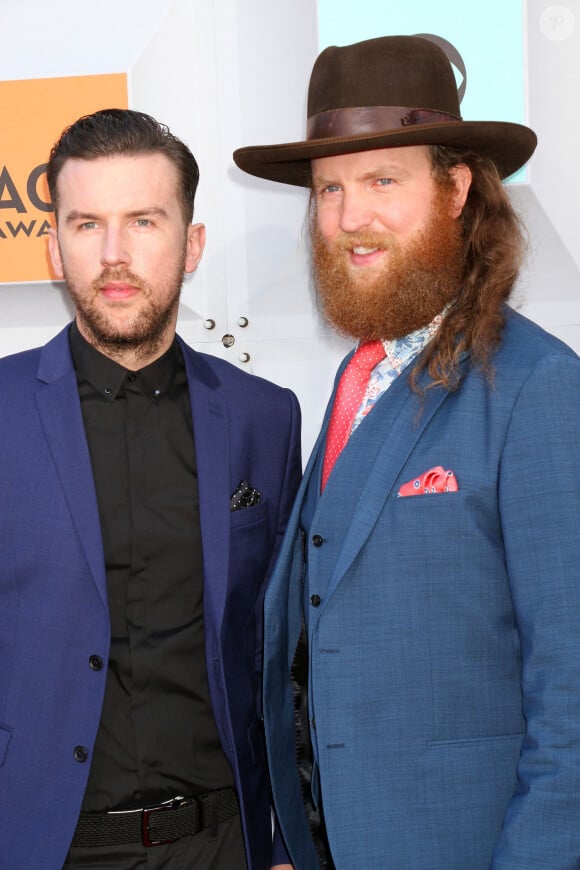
[{"x": 434, "y": 480}]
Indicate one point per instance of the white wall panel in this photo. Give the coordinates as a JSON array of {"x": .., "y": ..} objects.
[{"x": 225, "y": 73}]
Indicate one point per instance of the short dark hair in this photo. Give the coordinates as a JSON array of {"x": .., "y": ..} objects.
[{"x": 123, "y": 131}]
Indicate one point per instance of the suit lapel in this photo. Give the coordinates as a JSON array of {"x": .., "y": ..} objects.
[
  {"x": 60, "y": 414},
  {"x": 378, "y": 450},
  {"x": 284, "y": 591},
  {"x": 212, "y": 450}
]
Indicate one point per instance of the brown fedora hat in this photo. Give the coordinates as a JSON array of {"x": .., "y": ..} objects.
[{"x": 383, "y": 93}]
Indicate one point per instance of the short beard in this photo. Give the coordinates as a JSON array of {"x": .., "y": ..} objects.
[
  {"x": 145, "y": 335},
  {"x": 417, "y": 283}
]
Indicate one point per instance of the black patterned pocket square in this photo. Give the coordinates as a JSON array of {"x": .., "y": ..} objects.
[{"x": 245, "y": 496}]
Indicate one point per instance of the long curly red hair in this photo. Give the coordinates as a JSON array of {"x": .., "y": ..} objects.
[{"x": 494, "y": 247}]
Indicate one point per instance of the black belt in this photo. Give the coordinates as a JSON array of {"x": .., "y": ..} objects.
[{"x": 156, "y": 825}]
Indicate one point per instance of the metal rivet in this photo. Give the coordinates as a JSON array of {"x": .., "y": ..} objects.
[
  {"x": 209, "y": 323},
  {"x": 244, "y": 357},
  {"x": 228, "y": 340},
  {"x": 243, "y": 321}
]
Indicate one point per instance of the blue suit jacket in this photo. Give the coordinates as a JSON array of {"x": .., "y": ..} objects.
[
  {"x": 53, "y": 600},
  {"x": 445, "y": 641}
]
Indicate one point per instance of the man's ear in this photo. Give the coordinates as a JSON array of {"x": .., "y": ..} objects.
[
  {"x": 461, "y": 177},
  {"x": 195, "y": 246},
  {"x": 54, "y": 251}
]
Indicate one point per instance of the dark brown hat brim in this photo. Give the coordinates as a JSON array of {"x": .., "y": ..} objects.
[{"x": 509, "y": 145}]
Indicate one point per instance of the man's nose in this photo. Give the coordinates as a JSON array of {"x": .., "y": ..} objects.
[
  {"x": 115, "y": 250},
  {"x": 355, "y": 213}
]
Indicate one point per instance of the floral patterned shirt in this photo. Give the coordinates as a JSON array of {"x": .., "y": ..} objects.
[{"x": 399, "y": 353}]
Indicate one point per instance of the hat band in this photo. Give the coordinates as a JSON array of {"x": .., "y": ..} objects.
[{"x": 360, "y": 120}]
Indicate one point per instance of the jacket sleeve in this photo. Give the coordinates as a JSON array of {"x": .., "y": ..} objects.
[{"x": 539, "y": 496}]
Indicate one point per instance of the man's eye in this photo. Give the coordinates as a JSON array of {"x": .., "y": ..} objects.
[
  {"x": 325, "y": 189},
  {"x": 384, "y": 182},
  {"x": 143, "y": 222},
  {"x": 88, "y": 225}
]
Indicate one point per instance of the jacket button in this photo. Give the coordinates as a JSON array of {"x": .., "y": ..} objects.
[
  {"x": 317, "y": 540},
  {"x": 80, "y": 753},
  {"x": 315, "y": 600},
  {"x": 96, "y": 663}
]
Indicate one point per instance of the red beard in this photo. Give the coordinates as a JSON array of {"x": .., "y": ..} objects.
[{"x": 415, "y": 285}]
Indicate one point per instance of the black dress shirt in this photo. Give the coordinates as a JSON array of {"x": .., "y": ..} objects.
[{"x": 157, "y": 736}]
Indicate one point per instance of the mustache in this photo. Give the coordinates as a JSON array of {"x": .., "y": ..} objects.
[
  {"x": 345, "y": 242},
  {"x": 118, "y": 275}
]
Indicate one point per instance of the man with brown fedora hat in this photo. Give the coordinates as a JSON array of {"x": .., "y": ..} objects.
[{"x": 422, "y": 624}]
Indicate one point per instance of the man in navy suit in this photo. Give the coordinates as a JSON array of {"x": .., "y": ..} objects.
[
  {"x": 145, "y": 490},
  {"x": 422, "y": 625}
]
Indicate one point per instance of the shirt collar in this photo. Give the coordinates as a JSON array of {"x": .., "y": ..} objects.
[
  {"x": 400, "y": 351},
  {"x": 108, "y": 377}
]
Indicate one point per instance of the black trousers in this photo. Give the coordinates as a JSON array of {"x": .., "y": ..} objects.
[{"x": 200, "y": 852}]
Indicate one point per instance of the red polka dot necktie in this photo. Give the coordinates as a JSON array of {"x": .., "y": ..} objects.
[{"x": 349, "y": 395}]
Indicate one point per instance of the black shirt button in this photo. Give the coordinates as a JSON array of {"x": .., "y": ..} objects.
[
  {"x": 96, "y": 663},
  {"x": 317, "y": 540},
  {"x": 132, "y": 377},
  {"x": 315, "y": 600},
  {"x": 80, "y": 753}
]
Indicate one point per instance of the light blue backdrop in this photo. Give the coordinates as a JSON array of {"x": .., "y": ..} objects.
[{"x": 489, "y": 36}]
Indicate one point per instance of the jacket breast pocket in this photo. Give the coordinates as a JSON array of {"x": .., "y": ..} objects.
[
  {"x": 249, "y": 516},
  {"x": 250, "y": 547},
  {"x": 419, "y": 516},
  {"x": 467, "y": 516}
]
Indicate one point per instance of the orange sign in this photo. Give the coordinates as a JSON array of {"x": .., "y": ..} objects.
[{"x": 34, "y": 112}]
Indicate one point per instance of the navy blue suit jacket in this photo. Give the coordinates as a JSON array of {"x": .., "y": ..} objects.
[
  {"x": 53, "y": 600},
  {"x": 444, "y": 629}
]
